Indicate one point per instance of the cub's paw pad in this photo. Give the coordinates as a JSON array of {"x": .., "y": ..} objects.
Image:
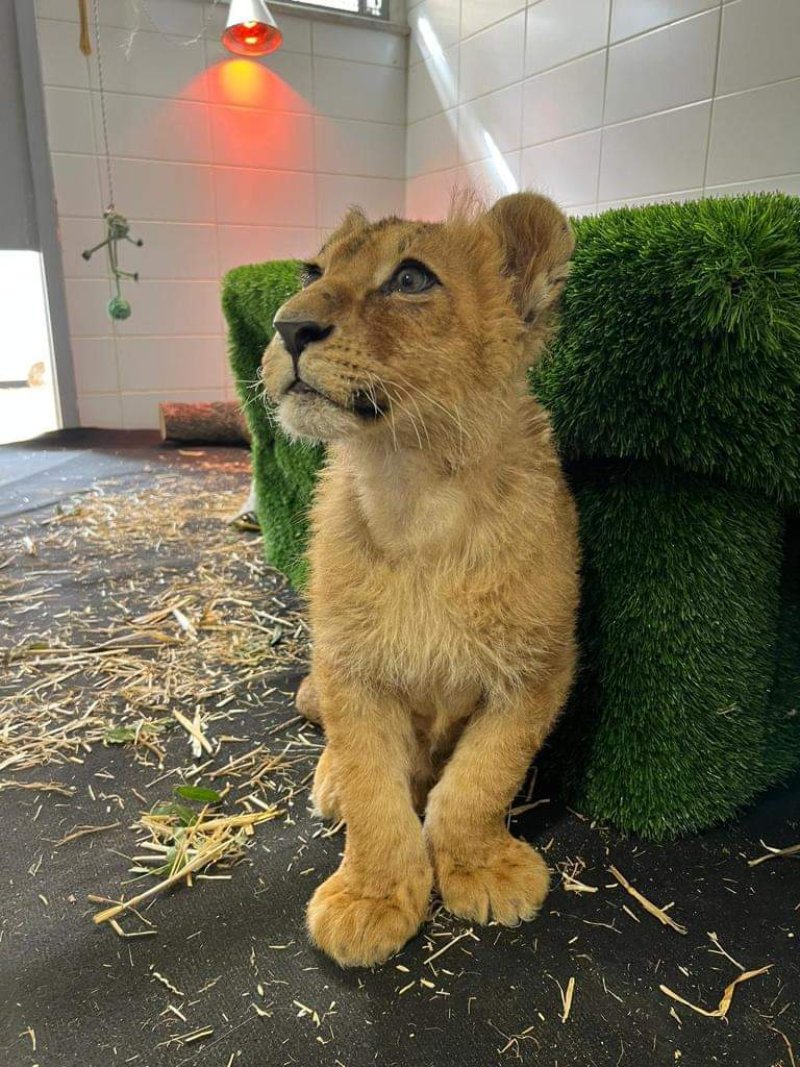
[
  {"x": 508, "y": 883},
  {"x": 357, "y": 930}
]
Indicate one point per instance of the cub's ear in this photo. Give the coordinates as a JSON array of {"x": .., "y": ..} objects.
[
  {"x": 536, "y": 241},
  {"x": 354, "y": 220}
]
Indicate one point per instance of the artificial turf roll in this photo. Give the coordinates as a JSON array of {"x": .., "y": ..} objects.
[{"x": 674, "y": 391}]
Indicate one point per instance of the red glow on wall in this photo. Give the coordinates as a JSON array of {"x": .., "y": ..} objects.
[
  {"x": 250, "y": 84},
  {"x": 252, "y": 38},
  {"x": 240, "y": 82}
]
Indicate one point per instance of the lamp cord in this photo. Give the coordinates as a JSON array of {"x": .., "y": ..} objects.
[
  {"x": 141, "y": 5},
  {"x": 103, "y": 116}
]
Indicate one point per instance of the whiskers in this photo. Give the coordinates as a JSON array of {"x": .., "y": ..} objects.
[
  {"x": 408, "y": 400},
  {"x": 453, "y": 422},
  {"x": 397, "y": 404},
  {"x": 256, "y": 392}
]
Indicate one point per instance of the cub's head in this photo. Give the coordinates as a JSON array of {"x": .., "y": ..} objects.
[{"x": 415, "y": 334}]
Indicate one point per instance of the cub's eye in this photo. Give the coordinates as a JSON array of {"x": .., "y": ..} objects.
[
  {"x": 412, "y": 277},
  {"x": 309, "y": 272}
]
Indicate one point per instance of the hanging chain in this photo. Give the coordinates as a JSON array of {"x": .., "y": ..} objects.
[
  {"x": 104, "y": 117},
  {"x": 140, "y": 6}
]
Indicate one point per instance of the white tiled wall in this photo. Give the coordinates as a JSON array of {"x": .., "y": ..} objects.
[
  {"x": 602, "y": 102},
  {"x": 217, "y": 162}
]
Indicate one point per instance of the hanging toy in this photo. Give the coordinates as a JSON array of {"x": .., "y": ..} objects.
[{"x": 117, "y": 229}]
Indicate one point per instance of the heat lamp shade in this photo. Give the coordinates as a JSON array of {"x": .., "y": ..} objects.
[{"x": 251, "y": 30}]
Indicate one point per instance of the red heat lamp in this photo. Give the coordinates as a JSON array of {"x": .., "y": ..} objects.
[{"x": 251, "y": 29}]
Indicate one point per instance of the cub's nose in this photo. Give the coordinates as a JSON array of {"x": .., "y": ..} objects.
[{"x": 298, "y": 334}]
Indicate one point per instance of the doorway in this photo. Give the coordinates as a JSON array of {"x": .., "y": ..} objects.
[{"x": 28, "y": 403}]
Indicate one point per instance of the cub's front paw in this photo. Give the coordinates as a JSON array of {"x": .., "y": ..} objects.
[
  {"x": 324, "y": 796},
  {"x": 507, "y": 881},
  {"x": 357, "y": 929}
]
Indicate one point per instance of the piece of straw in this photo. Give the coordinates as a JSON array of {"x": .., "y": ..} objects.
[
  {"x": 721, "y": 1011},
  {"x": 201, "y": 860},
  {"x": 774, "y": 853},
  {"x": 648, "y": 905},
  {"x": 83, "y": 831},
  {"x": 566, "y": 999},
  {"x": 194, "y": 731}
]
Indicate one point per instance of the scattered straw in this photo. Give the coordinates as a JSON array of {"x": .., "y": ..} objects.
[
  {"x": 566, "y": 999},
  {"x": 715, "y": 941},
  {"x": 721, "y": 1011},
  {"x": 648, "y": 905},
  {"x": 195, "y": 732},
  {"x": 449, "y": 945},
  {"x": 180, "y": 849},
  {"x": 166, "y": 982},
  {"x": 787, "y": 1042},
  {"x": 570, "y": 881},
  {"x": 157, "y": 639},
  {"x": 129, "y": 933},
  {"x": 775, "y": 853},
  {"x": 84, "y": 831},
  {"x": 39, "y": 787}
]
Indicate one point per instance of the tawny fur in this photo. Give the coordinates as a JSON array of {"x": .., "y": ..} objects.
[{"x": 444, "y": 563}]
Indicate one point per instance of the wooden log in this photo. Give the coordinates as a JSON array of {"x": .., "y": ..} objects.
[{"x": 220, "y": 423}]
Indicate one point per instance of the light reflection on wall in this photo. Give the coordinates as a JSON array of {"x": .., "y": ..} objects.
[{"x": 470, "y": 129}]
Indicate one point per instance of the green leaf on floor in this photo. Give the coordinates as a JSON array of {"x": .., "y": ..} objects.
[{"x": 198, "y": 794}]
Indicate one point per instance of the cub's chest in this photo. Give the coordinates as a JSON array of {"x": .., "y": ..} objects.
[
  {"x": 400, "y": 620},
  {"x": 392, "y": 602}
]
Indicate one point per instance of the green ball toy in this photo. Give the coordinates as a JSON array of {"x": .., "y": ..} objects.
[{"x": 119, "y": 308}]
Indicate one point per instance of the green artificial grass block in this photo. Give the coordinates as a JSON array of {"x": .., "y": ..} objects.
[
  {"x": 284, "y": 473},
  {"x": 674, "y": 390},
  {"x": 680, "y": 339},
  {"x": 672, "y": 726}
]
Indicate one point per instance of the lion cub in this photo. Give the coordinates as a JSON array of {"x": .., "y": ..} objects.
[{"x": 444, "y": 558}]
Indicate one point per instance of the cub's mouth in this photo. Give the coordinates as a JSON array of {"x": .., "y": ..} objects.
[{"x": 360, "y": 403}]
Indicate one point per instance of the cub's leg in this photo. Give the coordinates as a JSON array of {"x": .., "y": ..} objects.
[
  {"x": 324, "y": 792},
  {"x": 379, "y": 896},
  {"x": 307, "y": 700},
  {"x": 481, "y": 870}
]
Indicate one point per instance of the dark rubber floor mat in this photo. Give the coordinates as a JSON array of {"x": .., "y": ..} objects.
[{"x": 227, "y": 978}]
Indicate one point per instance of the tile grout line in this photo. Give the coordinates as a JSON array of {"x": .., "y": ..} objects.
[
  {"x": 247, "y": 108},
  {"x": 521, "y": 137},
  {"x": 621, "y": 40},
  {"x": 638, "y": 118},
  {"x": 181, "y": 40},
  {"x": 714, "y": 84},
  {"x": 200, "y": 225},
  {"x": 621, "y": 122},
  {"x": 603, "y": 111},
  {"x": 227, "y": 166},
  {"x": 457, "y": 105}
]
